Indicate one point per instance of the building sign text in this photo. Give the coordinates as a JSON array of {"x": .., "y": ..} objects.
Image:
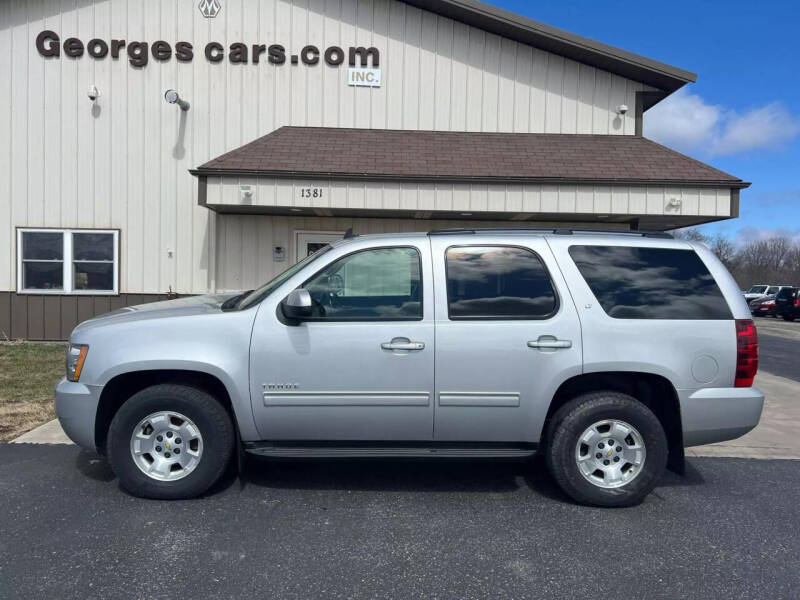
[
  {"x": 48, "y": 44},
  {"x": 364, "y": 77}
]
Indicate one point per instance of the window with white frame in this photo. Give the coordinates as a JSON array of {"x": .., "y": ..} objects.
[{"x": 67, "y": 261}]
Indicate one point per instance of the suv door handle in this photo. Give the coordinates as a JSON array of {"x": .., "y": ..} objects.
[
  {"x": 549, "y": 342},
  {"x": 393, "y": 345}
]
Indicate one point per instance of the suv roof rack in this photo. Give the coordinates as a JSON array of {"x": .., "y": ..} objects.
[{"x": 554, "y": 230}]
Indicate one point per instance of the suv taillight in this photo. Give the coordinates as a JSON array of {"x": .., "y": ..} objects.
[
  {"x": 797, "y": 302},
  {"x": 746, "y": 352}
]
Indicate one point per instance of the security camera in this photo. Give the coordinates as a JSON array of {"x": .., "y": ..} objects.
[
  {"x": 622, "y": 109},
  {"x": 172, "y": 97},
  {"x": 93, "y": 93}
]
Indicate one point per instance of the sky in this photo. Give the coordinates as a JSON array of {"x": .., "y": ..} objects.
[{"x": 743, "y": 114}]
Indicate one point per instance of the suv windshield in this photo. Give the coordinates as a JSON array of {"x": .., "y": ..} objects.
[
  {"x": 773, "y": 290},
  {"x": 757, "y": 289},
  {"x": 259, "y": 294}
]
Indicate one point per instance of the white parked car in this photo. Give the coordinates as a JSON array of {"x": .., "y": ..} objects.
[{"x": 759, "y": 291}]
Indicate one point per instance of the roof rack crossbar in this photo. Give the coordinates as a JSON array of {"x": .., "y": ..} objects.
[{"x": 553, "y": 230}]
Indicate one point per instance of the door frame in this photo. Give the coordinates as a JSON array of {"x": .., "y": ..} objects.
[{"x": 299, "y": 232}]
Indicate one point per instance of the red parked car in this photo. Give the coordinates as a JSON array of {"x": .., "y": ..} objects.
[{"x": 763, "y": 307}]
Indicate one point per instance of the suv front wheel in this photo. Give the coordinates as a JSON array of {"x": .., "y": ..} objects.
[
  {"x": 170, "y": 441},
  {"x": 606, "y": 449}
]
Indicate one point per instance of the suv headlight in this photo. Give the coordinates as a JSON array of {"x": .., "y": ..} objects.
[{"x": 76, "y": 355}]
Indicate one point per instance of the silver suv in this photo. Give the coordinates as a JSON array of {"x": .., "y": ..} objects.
[{"x": 606, "y": 353}]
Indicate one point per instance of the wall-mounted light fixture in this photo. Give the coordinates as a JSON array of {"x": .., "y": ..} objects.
[
  {"x": 93, "y": 93},
  {"x": 622, "y": 109},
  {"x": 173, "y": 97}
]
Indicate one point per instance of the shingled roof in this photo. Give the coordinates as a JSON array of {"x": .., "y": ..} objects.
[{"x": 317, "y": 152}]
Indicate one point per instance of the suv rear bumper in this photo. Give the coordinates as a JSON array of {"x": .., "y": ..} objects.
[
  {"x": 76, "y": 409},
  {"x": 718, "y": 414}
]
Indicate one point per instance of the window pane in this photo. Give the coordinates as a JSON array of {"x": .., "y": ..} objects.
[
  {"x": 373, "y": 284},
  {"x": 42, "y": 275},
  {"x": 92, "y": 246},
  {"x": 93, "y": 276},
  {"x": 42, "y": 245},
  {"x": 650, "y": 283},
  {"x": 495, "y": 282}
]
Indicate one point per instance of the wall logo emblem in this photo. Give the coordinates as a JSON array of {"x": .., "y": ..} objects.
[{"x": 209, "y": 8}]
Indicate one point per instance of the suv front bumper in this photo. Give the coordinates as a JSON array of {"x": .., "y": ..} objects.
[
  {"x": 76, "y": 409},
  {"x": 712, "y": 415}
]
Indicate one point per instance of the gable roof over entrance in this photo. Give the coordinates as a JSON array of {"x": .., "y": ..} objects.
[
  {"x": 377, "y": 154},
  {"x": 527, "y": 31}
]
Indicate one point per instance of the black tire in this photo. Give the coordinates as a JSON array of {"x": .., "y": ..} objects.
[
  {"x": 208, "y": 415},
  {"x": 577, "y": 415},
  {"x": 788, "y": 318}
]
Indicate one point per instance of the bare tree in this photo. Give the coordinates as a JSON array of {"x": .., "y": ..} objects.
[
  {"x": 693, "y": 235},
  {"x": 725, "y": 251},
  {"x": 774, "y": 261}
]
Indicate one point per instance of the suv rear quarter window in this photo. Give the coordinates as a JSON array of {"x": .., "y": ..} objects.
[{"x": 633, "y": 282}]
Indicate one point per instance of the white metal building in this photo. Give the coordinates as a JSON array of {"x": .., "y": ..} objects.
[{"x": 111, "y": 195}]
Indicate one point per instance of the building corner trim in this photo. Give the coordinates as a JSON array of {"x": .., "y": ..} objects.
[
  {"x": 645, "y": 100},
  {"x": 202, "y": 190}
]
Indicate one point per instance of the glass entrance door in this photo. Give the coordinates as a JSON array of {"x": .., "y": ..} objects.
[{"x": 308, "y": 242}]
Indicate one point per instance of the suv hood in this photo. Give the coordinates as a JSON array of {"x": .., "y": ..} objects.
[{"x": 180, "y": 307}]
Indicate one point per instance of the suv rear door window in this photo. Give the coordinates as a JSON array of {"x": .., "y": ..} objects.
[
  {"x": 650, "y": 283},
  {"x": 498, "y": 282}
]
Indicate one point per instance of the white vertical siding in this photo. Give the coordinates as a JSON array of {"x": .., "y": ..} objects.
[
  {"x": 530, "y": 199},
  {"x": 6, "y": 152},
  {"x": 124, "y": 162},
  {"x": 247, "y": 241}
]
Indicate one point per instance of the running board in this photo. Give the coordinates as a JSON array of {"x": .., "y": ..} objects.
[{"x": 283, "y": 450}]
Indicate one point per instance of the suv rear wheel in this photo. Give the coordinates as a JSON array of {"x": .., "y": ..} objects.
[
  {"x": 606, "y": 449},
  {"x": 170, "y": 441}
]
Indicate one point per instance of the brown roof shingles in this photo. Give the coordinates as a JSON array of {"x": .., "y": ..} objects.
[{"x": 388, "y": 154}]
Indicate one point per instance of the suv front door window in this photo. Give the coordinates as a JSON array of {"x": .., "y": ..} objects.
[{"x": 380, "y": 284}]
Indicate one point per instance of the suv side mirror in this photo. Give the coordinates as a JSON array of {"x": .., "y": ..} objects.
[{"x": 297, "y": 305}]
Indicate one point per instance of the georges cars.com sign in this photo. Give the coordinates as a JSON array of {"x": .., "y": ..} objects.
[{"x": 49, "y": 44}]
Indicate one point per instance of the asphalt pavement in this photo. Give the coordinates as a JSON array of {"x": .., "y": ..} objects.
[
  {"x": 779, "y": 347},
  {"x": 779, "y": 355},
  {"x": 394, "y": 530}
]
